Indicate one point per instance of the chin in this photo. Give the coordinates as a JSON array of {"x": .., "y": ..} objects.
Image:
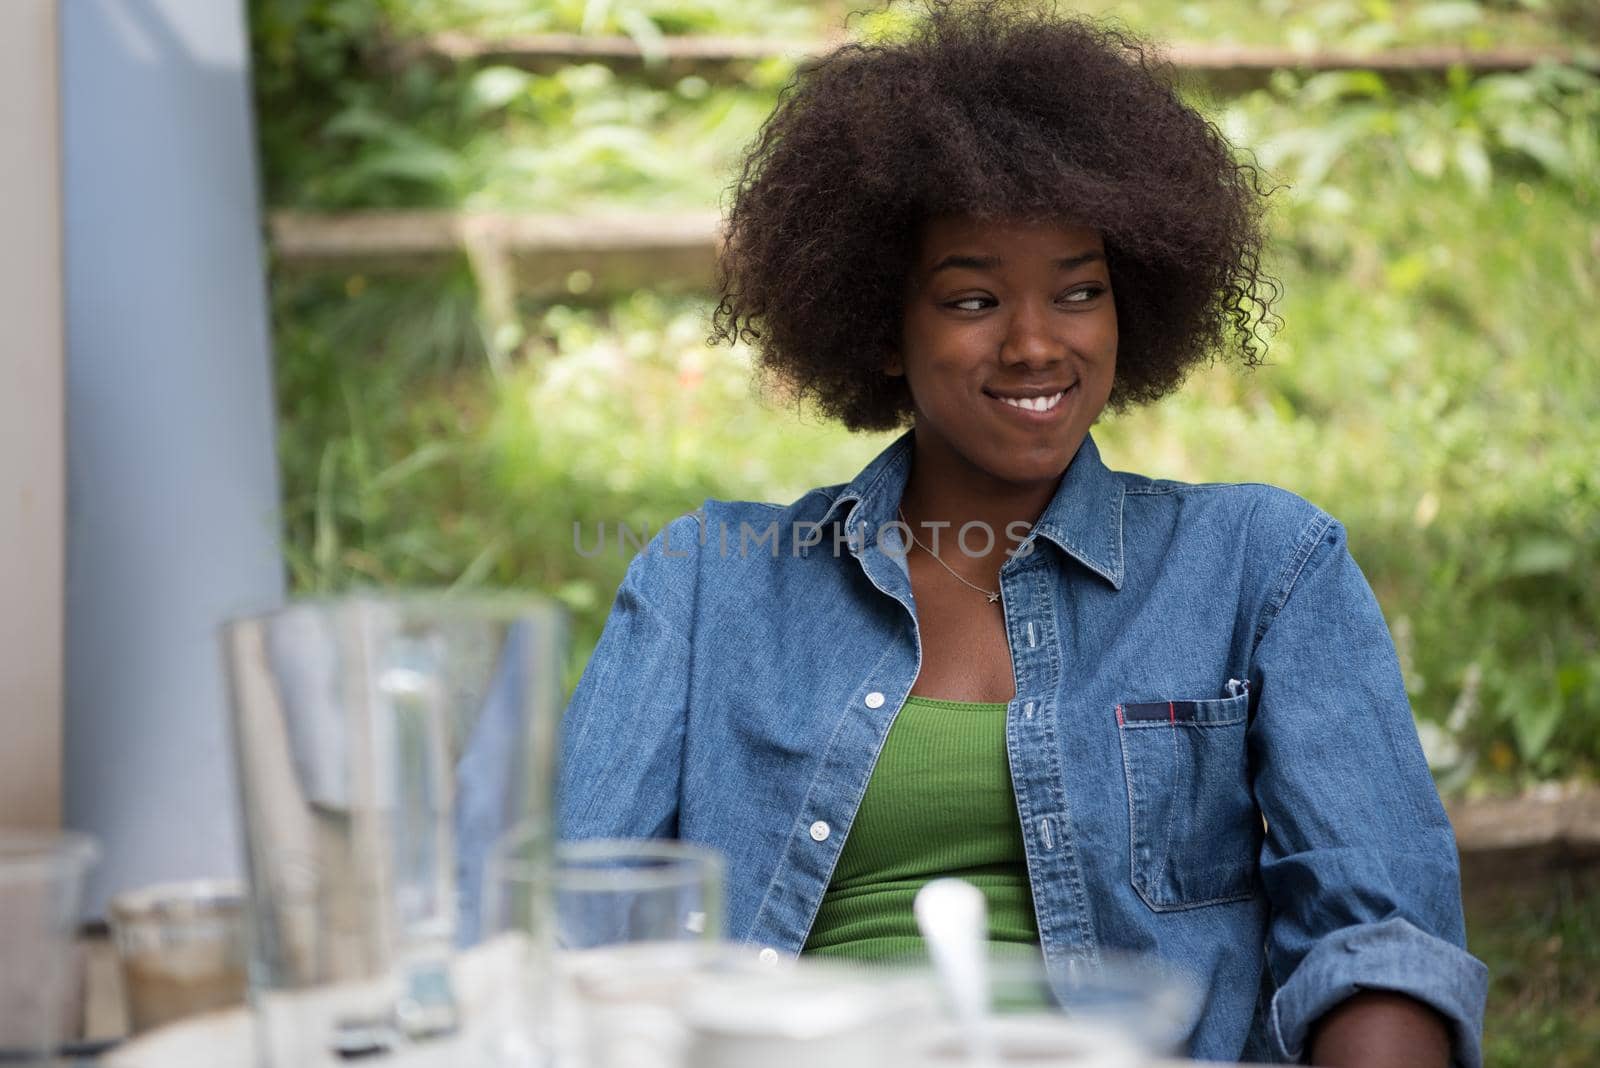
[
  {"x": 1031, "y": 465},
  {"x": 1042, "y": 472}
]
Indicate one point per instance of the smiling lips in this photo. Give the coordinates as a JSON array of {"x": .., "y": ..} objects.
[{"x": 1036, "y": 405}]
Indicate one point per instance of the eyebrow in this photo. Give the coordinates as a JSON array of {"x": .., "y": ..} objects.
[{"x": 989, "y": 263}]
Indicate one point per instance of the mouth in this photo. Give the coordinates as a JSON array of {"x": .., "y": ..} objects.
[{"x": 1034, "y": 407}]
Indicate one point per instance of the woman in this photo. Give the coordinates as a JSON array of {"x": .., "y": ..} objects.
[{"x": 1138, "y": 714}]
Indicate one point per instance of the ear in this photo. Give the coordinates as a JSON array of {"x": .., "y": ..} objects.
[{"x": 893, "y": 365}]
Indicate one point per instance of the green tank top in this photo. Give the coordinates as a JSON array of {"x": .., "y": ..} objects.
[{"x": 939, "y": 803}]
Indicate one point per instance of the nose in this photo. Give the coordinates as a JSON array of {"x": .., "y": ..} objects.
[{"x": 1030, "y": 338}]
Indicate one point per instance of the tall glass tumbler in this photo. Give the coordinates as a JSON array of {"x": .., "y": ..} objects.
[
  {"x": 614, "y": 891},
  {"x": 41, "y": 884},
  {"x": 383, "y": 745},
  {"x": 631, "y": 926}
]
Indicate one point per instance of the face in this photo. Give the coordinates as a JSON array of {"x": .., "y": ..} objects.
[{"x": 1009, "y": 344}]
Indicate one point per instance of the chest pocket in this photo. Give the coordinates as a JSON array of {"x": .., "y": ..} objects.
[{"x": 1194, "y": 831}]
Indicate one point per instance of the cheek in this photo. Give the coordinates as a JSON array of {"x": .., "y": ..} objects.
[
  {"x": 1108, "y": 326},
  {"x": 939, "y": 357},
  {"x": 932, "y": 383},
  {"x": 945, "y": 384},
  {"x": 1101, "y": 341}
]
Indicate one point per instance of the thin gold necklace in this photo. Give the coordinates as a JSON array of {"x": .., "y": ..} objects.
[{"x": 993, "y": 595}]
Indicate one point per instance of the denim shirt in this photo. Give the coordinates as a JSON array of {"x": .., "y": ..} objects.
[{"x": 1212, "y": 751}]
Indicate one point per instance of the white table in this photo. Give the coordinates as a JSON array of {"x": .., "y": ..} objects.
[{"x": 225, "y": 1039}]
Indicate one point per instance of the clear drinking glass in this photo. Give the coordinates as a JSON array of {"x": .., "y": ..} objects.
[
  {"x": 383, "y": 745},
  {"x": 610, "y": 934},
  {"x": 41, "y": 886},
  {"x": 609, "y": 891},
  {"x": 181, "y": 947}
]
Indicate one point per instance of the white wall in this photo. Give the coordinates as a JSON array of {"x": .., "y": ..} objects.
[
  {"x": 32, "y": 441},
  {"x": 172, "y": 485}
]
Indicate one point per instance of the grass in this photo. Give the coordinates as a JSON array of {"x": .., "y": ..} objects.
[{"x": 1541, "y": 941}]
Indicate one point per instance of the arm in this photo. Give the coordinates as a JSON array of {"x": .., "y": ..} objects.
[
  {"x": 1379, "y": 1029},
  {"x": 1366, "y": 942},
  {"x": 622, "y": 734}
]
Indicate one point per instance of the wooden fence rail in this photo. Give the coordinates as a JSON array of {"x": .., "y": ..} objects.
[
  {"x": 531, "y": 254},
  {"x": 1508, "y": 840}
]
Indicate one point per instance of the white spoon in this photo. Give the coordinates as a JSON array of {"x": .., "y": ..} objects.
[{"x": 953, "y": 918}]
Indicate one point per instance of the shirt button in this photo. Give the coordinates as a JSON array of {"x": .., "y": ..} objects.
[
  {"x": 874, "y": 699},
  {"x": 819, "y": 831},
  {"x": 768, "y": 956}
]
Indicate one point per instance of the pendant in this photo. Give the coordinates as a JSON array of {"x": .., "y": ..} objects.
[{"x": 995, "y": 596}]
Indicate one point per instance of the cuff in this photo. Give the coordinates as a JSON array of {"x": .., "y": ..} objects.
[{"x": 1392, "y": 955}]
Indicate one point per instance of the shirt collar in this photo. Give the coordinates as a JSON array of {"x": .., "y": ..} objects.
[{"x": 1084, "y": 518}]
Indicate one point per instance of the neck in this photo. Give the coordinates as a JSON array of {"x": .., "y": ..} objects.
[{"x": 945, "y": 489}]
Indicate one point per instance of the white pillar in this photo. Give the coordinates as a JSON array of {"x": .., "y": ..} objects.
[
  {"x": 32, "y": 434},
  {"x": 172, "y": 484}
]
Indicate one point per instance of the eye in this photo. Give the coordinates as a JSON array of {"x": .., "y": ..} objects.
[
  {"x": 1081, "y": 296},
  {"x": 970, "y": 303}
]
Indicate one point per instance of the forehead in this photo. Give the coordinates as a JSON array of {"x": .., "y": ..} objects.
[{"x": 943, "y": 235}]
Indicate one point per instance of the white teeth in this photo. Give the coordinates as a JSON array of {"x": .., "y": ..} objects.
[{"x": 1035, "y": 404}]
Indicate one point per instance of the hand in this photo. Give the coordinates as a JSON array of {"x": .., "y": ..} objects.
[{"x": 1379, "y": 1029}]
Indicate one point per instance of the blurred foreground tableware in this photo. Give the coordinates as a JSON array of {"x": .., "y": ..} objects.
[
  {"x": 41, "y": 886},
  {"x": 1149, "y": 1001},
  {"x": 1037, "y": 1040},
  {"x": 721, "y": 1016},
  {"x": 609, "y": 891},
  {"x": 627, "y": 999},
  {"x": 806, "y": 1013},
  {"x": 181, "y": 949},
  {"x": 1115, "y": 1010},
  {"x": 227, "y": 1038},
  {"x": 952, "y": 917},
  {"x": 383, "y": 745},
  {"x": 653, "y": 905}
]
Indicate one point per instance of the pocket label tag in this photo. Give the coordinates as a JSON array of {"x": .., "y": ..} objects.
[{"x": 1171, "y": 711}]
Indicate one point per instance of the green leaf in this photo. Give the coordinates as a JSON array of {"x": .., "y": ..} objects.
[
  {"x": 644, "y": 33},
  {"x": 1453, "y": 15},
  {"x": 1473, "y": 163},
  {"x": 361, "y": 123},
  {"x": 1546, "y": 149},
  {"x": 429, "y": 455},
  {"x": 1541, "y": 556},
  {"x": 1427, "y": 157},
  {"x": 427, "y": 165},
  {"x": 1534, "y": 724},
  {"x": 1343, "y": 85},
  {"x": 595, "y": 14},
  {"x": 493, "y": 88}
]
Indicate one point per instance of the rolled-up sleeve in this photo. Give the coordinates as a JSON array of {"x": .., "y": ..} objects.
[
  {"x": 622, "y": 733},
  {"x": 1359, "y": 862}
]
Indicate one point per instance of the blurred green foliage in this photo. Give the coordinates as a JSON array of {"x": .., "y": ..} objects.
[
  {"x": 1302, "y": 24},
  {"x": 644, "y": 20},
  {"x": 1540, "y": 938},
  {"x": 1435, "y": 385},
  {"x": 581, "y": 138},
  {"x": 1306, "y": 25}
]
